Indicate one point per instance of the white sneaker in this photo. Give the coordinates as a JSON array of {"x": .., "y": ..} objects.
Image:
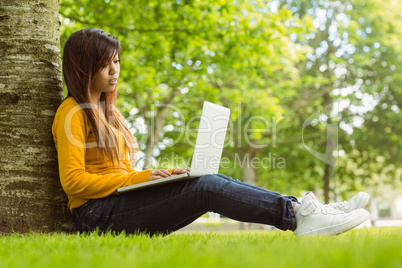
[
  {"x": 314, "y": 218},
  {"x": 358, "y": 201}
]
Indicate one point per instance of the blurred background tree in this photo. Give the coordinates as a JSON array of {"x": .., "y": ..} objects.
[
  {"x": 357, "y": 52},
  {"x": 274, "y": 63}
]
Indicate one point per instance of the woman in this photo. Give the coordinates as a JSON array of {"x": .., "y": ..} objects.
[{"x": 94, "y": 147}]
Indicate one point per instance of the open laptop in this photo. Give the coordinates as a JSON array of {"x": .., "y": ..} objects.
[{"x": 207, "y": 151}]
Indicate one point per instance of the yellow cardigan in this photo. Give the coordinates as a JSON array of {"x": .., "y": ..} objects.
[{"x": 83, "y": 174}]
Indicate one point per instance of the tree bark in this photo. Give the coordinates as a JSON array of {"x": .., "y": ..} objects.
[
  {"x": 154, "y": 130},
  {"x": 248, "y": 171},
  {"x": 327, "y": 175},
  {"x": 31, "y": 196}
]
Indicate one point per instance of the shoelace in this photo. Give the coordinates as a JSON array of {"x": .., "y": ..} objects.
[
  {"x": 328, "y": 208},
  {"x": 340, "y": 205}
]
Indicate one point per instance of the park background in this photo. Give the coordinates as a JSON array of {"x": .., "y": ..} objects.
[
  {"x": 288, "y": 70},
  {"x": 276, "y": 65}
]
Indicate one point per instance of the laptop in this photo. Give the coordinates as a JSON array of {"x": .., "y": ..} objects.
[{"x": 207, "y": 151}]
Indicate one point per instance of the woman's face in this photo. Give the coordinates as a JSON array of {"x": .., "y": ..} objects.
[{"x": 106, "y": 79}]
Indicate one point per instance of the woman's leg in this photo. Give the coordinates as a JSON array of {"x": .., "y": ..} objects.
[
  {"x": 292, "y": 198},
  {"x": 168, "y": 207}
]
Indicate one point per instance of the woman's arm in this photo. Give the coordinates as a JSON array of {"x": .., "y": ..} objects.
[
  {"x": 71, "y": 132},
  {"x": 126, "y": 163}
]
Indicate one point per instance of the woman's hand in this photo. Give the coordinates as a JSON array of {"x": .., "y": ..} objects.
[
  {"x": 182, "y": 170},
  {"x": 159, "y": 174}
]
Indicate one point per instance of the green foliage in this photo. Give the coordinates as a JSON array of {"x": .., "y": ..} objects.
[
  {"x": 274, "y": 64},
  {"x": 354, "y": 62},
  {"x": 181, "y": 53},
  {"x": 376, "y": 247}
]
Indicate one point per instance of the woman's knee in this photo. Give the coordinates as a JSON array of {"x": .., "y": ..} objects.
[
  {"x": 213, "y": 177},
  {"x": 210, "y": 181},
  {"x": 224, "y": 176}
]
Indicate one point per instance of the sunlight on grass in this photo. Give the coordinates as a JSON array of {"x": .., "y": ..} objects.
[{"x": 376, "y": 247}]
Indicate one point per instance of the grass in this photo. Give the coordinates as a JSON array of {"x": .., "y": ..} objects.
[{"x": 375, "y": 247}]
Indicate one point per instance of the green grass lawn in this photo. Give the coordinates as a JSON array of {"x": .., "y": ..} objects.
[{"x": 375, "y": 247}]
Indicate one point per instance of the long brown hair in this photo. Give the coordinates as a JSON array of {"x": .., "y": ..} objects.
[{"x": 86, "y": 52}]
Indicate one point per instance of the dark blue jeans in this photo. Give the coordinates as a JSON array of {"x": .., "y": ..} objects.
[{"x": 166, "y": 208}]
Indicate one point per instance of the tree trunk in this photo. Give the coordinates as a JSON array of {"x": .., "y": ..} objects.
[
  {"x": 249, "y": 173},
  {"x": 31, "y": 196},
  {"x": 154, "y": 131},
  {"x": 327, "y": 175},
  {"x": 148, "y": 155}
]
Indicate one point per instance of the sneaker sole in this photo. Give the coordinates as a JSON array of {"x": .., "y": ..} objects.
[{"x": 340, "y": 228}]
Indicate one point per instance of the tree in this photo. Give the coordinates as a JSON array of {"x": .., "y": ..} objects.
[
  {"x": 265, "y": 55},
  {"x": 31, "y": 196},
  {"x": 178, "y": 53},
  {"x": 356, "y": 52}
]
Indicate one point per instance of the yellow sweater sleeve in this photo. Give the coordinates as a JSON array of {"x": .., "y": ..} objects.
[
  {"x": 126, "y": 163},
  {"x": 71, "y": 132}
]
